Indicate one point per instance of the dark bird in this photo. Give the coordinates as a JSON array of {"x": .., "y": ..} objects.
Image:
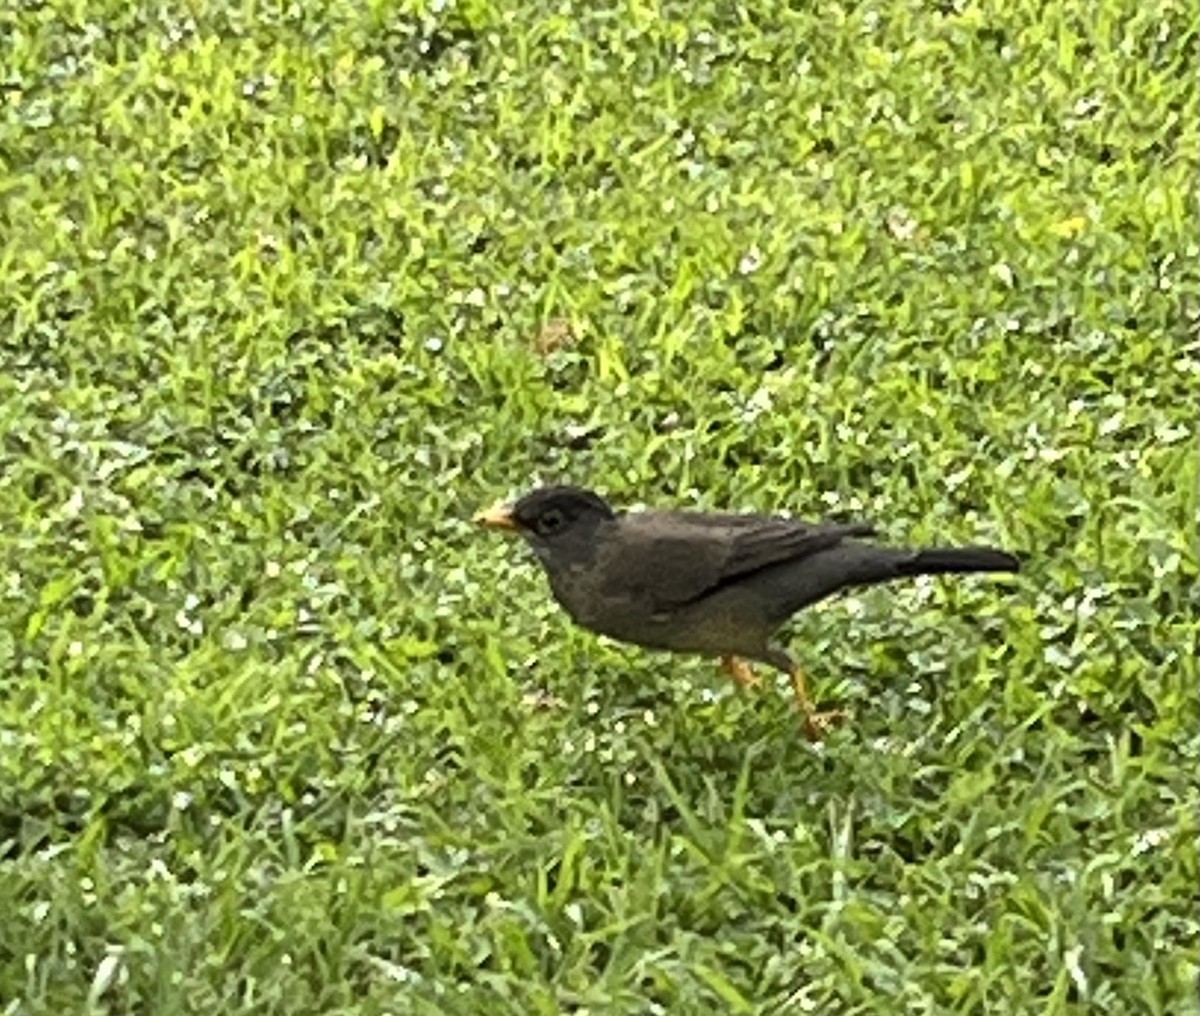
[{"x": 710, "y": 583}]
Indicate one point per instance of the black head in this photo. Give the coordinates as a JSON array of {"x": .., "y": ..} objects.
[
  {"x": 549, "y": 511},
  {"x": 559, "y": 522}
]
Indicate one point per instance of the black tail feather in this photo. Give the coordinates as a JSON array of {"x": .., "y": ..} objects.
[{"x": 944, "y": 560}]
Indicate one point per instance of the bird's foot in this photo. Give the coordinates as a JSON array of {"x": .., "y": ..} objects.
[
  {"x": 818, "y": 724},
  {"x": 740, "y": 671}
]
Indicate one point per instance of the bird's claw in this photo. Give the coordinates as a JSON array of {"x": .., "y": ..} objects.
[{"x": 817, "y": 725}]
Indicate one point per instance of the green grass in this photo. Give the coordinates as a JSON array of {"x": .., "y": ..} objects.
[{"x": 276, "y": 284}]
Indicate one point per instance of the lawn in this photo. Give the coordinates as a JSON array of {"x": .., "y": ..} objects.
[{"x": 291, "y": 291}]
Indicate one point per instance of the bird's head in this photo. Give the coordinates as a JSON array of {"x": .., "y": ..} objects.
[{"x": 560, "y": 523}]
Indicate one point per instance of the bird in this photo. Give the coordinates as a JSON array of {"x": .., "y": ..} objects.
[{"x": 715, "y": 584}]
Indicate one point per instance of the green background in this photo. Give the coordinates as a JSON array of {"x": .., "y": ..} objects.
[{"x": 290, "y": 291}]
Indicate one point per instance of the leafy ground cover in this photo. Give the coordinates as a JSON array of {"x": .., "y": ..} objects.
[{"x": 290, "y": 291}]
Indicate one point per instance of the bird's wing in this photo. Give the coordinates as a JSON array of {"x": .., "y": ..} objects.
[{"x": 671, "y": 559}]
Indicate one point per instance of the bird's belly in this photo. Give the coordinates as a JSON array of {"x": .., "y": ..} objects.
[{"x": 716, "y": 628}]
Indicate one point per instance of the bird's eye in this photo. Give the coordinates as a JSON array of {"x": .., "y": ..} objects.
[{"x": 550, "y": 521}]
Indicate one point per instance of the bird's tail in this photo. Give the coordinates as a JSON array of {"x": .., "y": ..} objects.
[
  {"x": 945, "y": 560},
  {"x": 854, "y": 563}
]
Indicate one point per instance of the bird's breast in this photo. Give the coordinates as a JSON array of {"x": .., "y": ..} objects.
[{"x": 599, "y": 610}]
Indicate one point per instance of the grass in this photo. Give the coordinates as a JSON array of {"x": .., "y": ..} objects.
[{"x": 291, "y": 291}]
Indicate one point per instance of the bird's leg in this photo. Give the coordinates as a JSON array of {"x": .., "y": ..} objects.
[
  {"x": 740, "y": 671},
  {"x": 816, "y": 722}
]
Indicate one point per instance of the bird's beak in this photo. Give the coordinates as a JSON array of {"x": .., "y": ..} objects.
[{"x": 497, "y": 517}]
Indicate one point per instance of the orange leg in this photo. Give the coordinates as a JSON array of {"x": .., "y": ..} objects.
[
  {"x": 740, "y": 671},
  {"x": 816, "y": 724}
]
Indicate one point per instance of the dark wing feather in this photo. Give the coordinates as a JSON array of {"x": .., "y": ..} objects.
[
  {"x": 671, "y": 559},
  {"x": 758, "y": 547}
]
